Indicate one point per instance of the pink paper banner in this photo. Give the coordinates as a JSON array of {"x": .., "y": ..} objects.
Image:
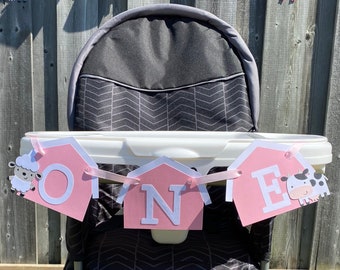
[
  {"x": 273, "y": 182},
  {"x": 57, "y": 177}
]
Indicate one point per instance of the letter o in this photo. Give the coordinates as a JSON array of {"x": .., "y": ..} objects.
[{"x": 70, "y": 184}]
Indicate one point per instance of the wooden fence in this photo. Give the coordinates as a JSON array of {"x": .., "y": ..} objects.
[{"x": 297, "y": 48}]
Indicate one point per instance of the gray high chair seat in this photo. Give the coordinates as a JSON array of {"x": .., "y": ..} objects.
[{"x": 164, "y": 67}]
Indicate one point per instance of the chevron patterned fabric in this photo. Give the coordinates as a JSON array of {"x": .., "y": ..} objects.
[
  {"x": 201, "y": 250},
  {"x": 222, "y": 106}
]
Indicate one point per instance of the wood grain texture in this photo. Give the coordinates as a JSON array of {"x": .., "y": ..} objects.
[
  {"x": 76, "y": 21},
  {"x": 30, "y": 267},
  {"x": 295, "y": 44},
  {"x": 17, "y": 229},
  {"x": 285, "y": 89},
  {"x": 286, "y": 66},
  {"x": 45, "y": 114},
  {"x": 140, "y": 3},
  {"x": 326, "y": 247}
]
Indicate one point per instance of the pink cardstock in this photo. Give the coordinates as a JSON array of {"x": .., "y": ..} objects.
[
  {"x": 272, "y": 182},
  {"x": 163, "y": 199},
  {"x": 63, "y": 186}
]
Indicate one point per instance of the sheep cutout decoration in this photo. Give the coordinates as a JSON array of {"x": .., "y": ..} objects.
[{"x": 25, "y": 171}]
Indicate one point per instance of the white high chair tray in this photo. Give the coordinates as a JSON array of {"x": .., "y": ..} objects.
[{"x": 200, "y": 149}]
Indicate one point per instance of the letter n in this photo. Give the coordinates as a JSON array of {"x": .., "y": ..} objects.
[{"x": 153, "y": 195}]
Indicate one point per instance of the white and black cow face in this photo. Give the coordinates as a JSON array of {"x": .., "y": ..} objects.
[{"x": 298, "y": 185}]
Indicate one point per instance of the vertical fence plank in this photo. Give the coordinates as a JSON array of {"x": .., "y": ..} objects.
[
  {"x": 109, "y": 8},
  {"x": 324, "y": 38},
  {"x": 76, "y": 21},
  {"x": 63, "y": 252},
  {"x": 191, "y": 3},
  {"x": 287, "y": 65},
  {"x": 322, "y": 52},
  {"x": 17, "y": 227},
  {"x": 285, "y": 84},
  {"x": 256, "y": 24},
  {"x": 45, "y": 100},
  {"x": 326, "y": 247},
  {"x": 226, "y": 10},
  {"x": 45, "y": 65},
  {"x": 139, "y": 3}
]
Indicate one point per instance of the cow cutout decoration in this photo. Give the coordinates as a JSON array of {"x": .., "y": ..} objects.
[{"x": 305, "y": 187}]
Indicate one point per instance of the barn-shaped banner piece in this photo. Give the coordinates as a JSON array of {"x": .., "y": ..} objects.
[
  {"x": 62, "y": 184},
  {"x": 164, "y": 198},
  {"x": 275, "y": 179}
]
